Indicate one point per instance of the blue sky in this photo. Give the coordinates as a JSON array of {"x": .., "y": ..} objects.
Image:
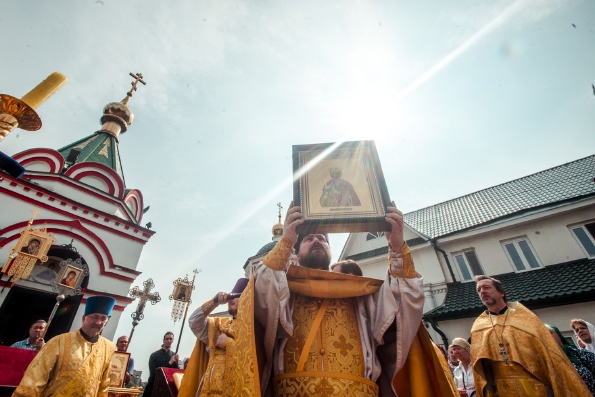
[{"x": 458, "y": 96}]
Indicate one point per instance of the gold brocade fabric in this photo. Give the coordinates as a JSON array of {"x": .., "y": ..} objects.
[
  {"x": 535, "y": 360},
  {"x": 241, "y": 368},
  {"x": 335, "y": 364},
  {"x": 315, "y": 283},
  {"x": 195, "y": 370},
  {"x": 514, "y": 380},
  {"x": 69, "y": 366},
  {"x": 405, "y": 267},
  {"x": 215, "y": 373},
  {"x": 277, "y": 258},
  {"x": 323, "y": 384},
  {"x": 426, "y": 372}
]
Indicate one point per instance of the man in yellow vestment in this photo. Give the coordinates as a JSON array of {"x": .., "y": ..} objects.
[
  {"x": 76, "y": 363},
  {"x": 217, "y": 333},
  {"x": 513, "y": 353},
  {"x": 323, "y": 333}
]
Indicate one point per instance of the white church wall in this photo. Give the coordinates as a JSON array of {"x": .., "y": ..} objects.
[
  {"x": 426, "y": 263},
  {"x": 434, "y": 293},
  {"x": 547, "y": 233},
  {"x": 560, "y": 316},
  {"x": 460, "y": 328},
  {"x": 359, "y": 243},
  {"x": 375, "y": 267},
  {"x": 75, "y": 191},
  {"x": 124, "y": 251},
  {"x": 39, "y": 166},
  {"x": 93, "y": 197}
]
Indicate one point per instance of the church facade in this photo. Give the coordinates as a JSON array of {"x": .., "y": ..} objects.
[
  {"x": 536, "y": 234},
  {"x": 82, "y": 197}
]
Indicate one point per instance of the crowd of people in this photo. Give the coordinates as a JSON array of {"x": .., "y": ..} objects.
[{"x": 301, "y": 326}]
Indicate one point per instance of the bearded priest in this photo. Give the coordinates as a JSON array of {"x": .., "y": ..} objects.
[
  {"x": 513, "y": 353},
  {"x": 76, "y": 363},
  {"x": 305, "y": 331}
]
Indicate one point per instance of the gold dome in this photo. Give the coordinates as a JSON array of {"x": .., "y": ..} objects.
[
  {"x": 277, "y": 230},
  {"x": 119, "y": 113}
]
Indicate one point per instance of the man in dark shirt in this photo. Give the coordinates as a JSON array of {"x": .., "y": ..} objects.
[{"x": 163, "y": 357}]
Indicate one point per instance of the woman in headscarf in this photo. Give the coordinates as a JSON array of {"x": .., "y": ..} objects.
[
  {"x": 582, "y": 360},
  {"x": 584, "y": 332}
]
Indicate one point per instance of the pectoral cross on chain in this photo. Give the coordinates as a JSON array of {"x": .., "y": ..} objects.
[{"x": 504, "y": 353}]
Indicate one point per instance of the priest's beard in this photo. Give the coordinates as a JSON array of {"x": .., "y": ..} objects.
[
  {"x": 489, "y": 301},
  {"x": 316, "y": 259}
]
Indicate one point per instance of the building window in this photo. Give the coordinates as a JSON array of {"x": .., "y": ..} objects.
[
  {"x": 468, "y": 264},
  {"x": 520, "y": 254},
  {"x": 372, "y": 236},
  {"x": 585, "y": 235}
]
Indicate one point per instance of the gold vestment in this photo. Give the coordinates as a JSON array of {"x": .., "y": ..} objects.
[
  {"x": 338, "y": 370},
  {"x": 195, "y": 370},
  {"x": 68, "y": 366},
  {"x": 214, "y": 378},
  {"x": 334, "y": 361},
  {"x": 535, "y": 362}
]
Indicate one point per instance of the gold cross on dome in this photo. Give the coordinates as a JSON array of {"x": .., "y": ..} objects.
[
  {"x": 138, "y": 78},
  {"x": 280, "y": 208}
]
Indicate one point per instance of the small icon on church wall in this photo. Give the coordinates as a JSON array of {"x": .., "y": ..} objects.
[{"x": 70, "y": 276}]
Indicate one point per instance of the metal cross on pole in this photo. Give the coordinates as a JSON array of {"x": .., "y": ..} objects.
[
  {"x": 144, "y": 295},
  {"x": 138, "y": 78},
  {"x": 280, "y": 208}
]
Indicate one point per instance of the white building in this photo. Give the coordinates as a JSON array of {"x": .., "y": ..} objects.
[
  {"x": 84, "y": 201},
  {"x": 536, "y": 234}
]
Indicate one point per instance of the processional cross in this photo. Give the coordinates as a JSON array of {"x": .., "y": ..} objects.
[
  {"x": 145, "y": 295},
  {"x": 138, "y": 78}
]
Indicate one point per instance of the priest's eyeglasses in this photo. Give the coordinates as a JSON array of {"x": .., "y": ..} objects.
[{"x": 99, "y": 318}]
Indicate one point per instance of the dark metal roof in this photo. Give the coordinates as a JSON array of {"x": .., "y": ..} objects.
[
  {"x": 266, "y": 248},
  {"x": 565, "y": 182},
  {"x": 554, "y": 285}
]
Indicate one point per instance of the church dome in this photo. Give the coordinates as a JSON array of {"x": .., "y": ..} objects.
[
  {"x": 277, "y": 230},
  {"x": 119, "y": 113},
  {"x": 266, "y": 248}
]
